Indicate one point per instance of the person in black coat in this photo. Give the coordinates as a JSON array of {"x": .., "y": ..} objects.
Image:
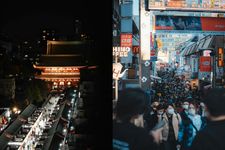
[
  {"x": 212, "y": 137},
  {"x": 131, "y": 105}
]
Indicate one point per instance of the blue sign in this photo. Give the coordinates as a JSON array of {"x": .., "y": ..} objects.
[{"x": 153, "y": 58}]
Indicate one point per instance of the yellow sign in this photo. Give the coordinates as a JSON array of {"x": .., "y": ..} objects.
[{"x": 220, "y": 57}]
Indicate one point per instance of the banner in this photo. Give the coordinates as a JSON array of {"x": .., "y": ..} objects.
[
  {"x": 189, "y": 23},
  {"x": 205, "y": 64}
]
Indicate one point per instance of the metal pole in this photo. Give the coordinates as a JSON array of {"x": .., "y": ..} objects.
[
  {"x": 214, "y": 70},
  {"x": 116, "y": 83}
]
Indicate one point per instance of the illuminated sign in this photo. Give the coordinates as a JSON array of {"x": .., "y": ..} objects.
[
  {"x": 121, "y": 51},
  {"x": 220, "y": 57},
  {"x": 126, "y": 40}
]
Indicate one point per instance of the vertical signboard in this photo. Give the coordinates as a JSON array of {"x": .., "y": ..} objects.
[
  {"x": 205, "y": 64},
  {"x": 220, "y": 57},
  {"x": 126, "y": 40}
]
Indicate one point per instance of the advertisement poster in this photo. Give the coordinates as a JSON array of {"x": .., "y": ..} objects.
[
  {"x": 126, "y": 40},
  {"x": 189, "y": 23},
  {"x": 205, "y": 64},
  {"x": 187, "y": 4}
]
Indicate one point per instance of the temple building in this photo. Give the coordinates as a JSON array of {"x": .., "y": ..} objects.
[{"x": 61, "y": 64}]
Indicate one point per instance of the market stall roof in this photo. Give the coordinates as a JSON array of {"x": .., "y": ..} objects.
[
  {"x": 56, "y": 127},
  {"x": 15, "y": 126}
]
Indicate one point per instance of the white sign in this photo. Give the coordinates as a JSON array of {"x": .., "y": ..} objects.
[
  {"x": 117, "y": 67},
  {"x": 121, "y": 51},
  {"x": 144, "y": 79},
  {"x": 147, "y": 63},
  {"x": 206, "y": 52}
]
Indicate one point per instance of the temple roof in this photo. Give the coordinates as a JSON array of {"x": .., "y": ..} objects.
[{"x": 61, "y": 60}]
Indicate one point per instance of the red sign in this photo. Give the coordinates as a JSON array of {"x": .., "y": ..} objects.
[
  {"x": 205, "y": 64},
  {"x": 126, "y": 40},
  {"x": 153, "y": 52},
  {"x": 136, "y": 49},
  {"x": 213, "y": 24}
]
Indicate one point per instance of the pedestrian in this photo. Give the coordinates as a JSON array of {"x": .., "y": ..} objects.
[
  {"x": 213, "y": 135},
  {"x": 131, "y": 104},
  {"x": 202, "y": 112},
  {"x": 187, "y": 132},
  {"x": 171, "y": 128}
]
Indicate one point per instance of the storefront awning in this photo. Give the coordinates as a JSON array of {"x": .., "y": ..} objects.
[{"x": 203, "y": 43}]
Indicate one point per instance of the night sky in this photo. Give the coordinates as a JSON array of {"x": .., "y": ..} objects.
[{"x": 24, "y": 20}]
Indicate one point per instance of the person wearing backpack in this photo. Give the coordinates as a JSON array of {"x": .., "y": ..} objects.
[
  {"x": 212, "y": 137},
  {"x": 188, "y": 132}
]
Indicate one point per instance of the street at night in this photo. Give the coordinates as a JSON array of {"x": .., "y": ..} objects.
[{"x": 168, "y": 75}]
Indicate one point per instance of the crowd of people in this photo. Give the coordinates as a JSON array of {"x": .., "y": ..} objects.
[{"x": 176, "y": 115}]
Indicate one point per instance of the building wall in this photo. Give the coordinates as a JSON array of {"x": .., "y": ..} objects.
[{"x": 7, "y": 88}]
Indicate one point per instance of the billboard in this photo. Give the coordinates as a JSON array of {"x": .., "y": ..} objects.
[
  {"x": 189, "y": 23},
  {"x": 187, "y": 5}
]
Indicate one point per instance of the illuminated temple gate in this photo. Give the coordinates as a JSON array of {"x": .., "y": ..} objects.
[{"x": 61, "y": 66}]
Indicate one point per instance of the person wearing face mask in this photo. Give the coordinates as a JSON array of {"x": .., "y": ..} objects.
[
  {"x": 188, "y": 132},
  {"x": 184, "y": 113},
  {"x": 171, "y": 128}
]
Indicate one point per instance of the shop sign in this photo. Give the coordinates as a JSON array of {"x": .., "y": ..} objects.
[
  {"x": 205, "y": 64},
  {"x": 126, "y": 40},
  {"x": 220, "y": 57},
  {"x": 121, "y": 51},
  {"x": 136, "y": 49}
]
